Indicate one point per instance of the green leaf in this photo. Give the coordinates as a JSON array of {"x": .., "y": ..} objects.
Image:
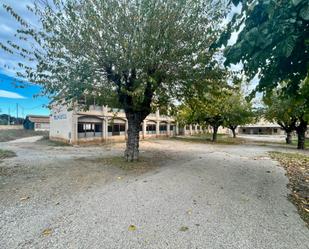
[
  {"x": 296, "y": 2},
  {"x": 288, "y": 45},
  {"x": 304, "y": 12}
]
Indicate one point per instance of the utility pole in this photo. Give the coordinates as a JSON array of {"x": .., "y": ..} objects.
[
  {"x": 16, "y": 113},
  {"x": 9, "y": 117}
]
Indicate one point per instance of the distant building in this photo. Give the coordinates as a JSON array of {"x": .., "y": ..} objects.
[
  {"x": 262, "y": 127},
  {"x": 37, "y": 123}
]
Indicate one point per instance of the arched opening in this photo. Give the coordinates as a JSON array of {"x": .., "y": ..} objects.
[
  {"x": 151, "y": 127},
  {"x": 89, "y": 126},
  {"x": 163, "y": 128}
]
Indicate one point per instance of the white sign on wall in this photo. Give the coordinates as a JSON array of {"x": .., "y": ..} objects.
[{"x": 60, "y": 116}]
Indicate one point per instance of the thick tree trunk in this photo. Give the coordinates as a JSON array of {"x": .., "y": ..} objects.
[
  {"x": 132, "y": 146},
  {"x": 288, "y": 138},
  {"x": 301, "y": 140},
  {"x": 233, "y": 129},
  {"x": 215, "y": 132},
  {"x": 301, "y": 134},
  {"x": 234, "y": 132}
]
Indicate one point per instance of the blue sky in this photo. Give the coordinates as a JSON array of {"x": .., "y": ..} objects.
[
  {"x": 9, "y": 94},
  {"x": 24, "y": 97}
]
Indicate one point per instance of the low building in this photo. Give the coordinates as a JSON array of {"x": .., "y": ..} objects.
[
  {"x": 262, "y": 127},
  {"x": 101, "y": 124},
  {"x": 37, "y": 123}
]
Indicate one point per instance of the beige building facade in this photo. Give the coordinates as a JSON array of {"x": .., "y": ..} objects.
[
  {"x": 262, "y": 127},
  {"x": 101, "y": 124}
]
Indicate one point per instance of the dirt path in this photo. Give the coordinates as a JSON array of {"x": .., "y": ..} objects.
[{"x": 194, "y": 196}]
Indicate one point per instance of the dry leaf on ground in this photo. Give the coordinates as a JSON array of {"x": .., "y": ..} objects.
[{"x": 132, "y": 228}]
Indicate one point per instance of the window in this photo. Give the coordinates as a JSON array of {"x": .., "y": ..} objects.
[
  {"x": 80, "y": 128},
  {"x": 244, "y": 130},
  {"x": 275, "y": 130},
  {"x": 163, "y": 128},
  {"x": 151, "y": 129},
  {"x": 98, "y": 128},
  {"x": 85, "y": 127},
  {"x": 89, "y": 130},
  {"x": 116, "y": 129}
]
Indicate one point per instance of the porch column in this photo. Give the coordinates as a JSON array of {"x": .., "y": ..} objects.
[
  {"x": 74, "y": 131},
  {"x": 177, "y": 129},
  {"x": 144, "y": 128},
  {"x": 157, "y": 128},
  {"x": 190, "y": 127},
  {"x": 168, "y": 129},
  {"x": 105, "y": 128}
]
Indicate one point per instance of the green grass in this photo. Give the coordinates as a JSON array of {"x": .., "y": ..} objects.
[
  {"x": 294, "y": 142},
  {"x": 9, "y": 135},
  {"x": 6, "y": 154},
  {"x": 207, "y": 138}
]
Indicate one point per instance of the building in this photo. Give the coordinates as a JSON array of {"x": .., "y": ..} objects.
[
  {"x": 262, "y": 127},
  {"x": 37, "y": 123},
  {"x": 101, "y": 124}
]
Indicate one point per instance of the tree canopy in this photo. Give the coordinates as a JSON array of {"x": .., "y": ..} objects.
[
  {"x": 137, "y": 52},
  {"x": 291, "y": 112},
  {"x": 216, "y": 103},
  {"x": 273, "y": 41}
]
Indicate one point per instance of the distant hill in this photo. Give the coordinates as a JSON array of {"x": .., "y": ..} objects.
[{"x": 5, "y": 117}]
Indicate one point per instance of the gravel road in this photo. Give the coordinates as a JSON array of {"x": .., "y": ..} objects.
[{"x": 191, "y": 196}]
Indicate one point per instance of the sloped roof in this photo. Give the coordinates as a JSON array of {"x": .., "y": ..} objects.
[{"x": 38, "y": 118}]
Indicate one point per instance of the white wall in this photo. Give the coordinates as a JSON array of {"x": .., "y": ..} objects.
[{"x": 61, "y": 123}]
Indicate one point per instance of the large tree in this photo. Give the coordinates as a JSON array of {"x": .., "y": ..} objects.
[
  {"x": 216, "y": 103},
  {"x": 281, "y": 111},
  {"x": 239, "y": 111},
  {"x": 205, "y": 101},
  {"x": 134, "y": 50},
  {"x": 291, "y": 112}
]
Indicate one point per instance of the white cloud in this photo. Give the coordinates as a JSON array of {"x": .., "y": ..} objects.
[
  {"x": 5, "y": 28},
  {"x": 8, "y": 27},
  {"x": 10, "y": 95}
]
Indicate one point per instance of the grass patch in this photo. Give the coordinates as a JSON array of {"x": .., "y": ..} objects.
[
  {"x": 294, "y": 142},
  {"x": 297, "y": 168},
  {"x": 207, "y": 138},
  {"x": 6, "y": 154},
  {"x": 9, "y": 135}
]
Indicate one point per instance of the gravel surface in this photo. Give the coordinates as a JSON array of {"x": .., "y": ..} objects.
[{"x": 191, "y": 196}]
